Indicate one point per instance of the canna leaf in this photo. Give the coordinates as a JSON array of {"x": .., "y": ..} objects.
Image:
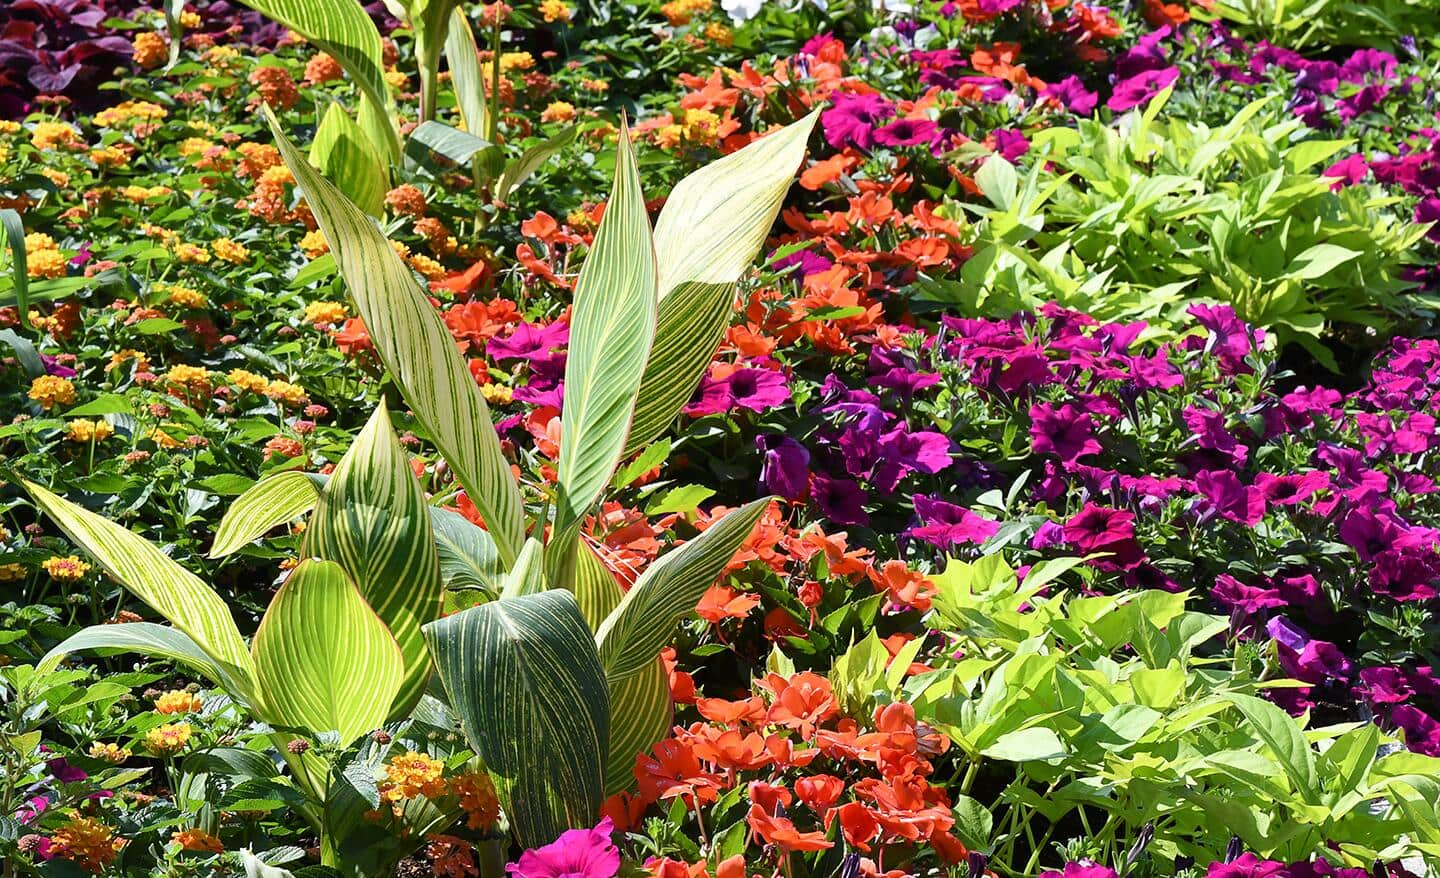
[
  {"x": 640, "y": 706},
  {"x": 344, "y": 154},
  {"x": 145, "y": 638},
  {"x": 415, "y": 346},
  {"x": 641, "y": 712},
  {"x": 343, "y": 30},
  {"x": 468, "y": 559},
  {"x": 519, "y": 170},
  {"x": 610, "y": 336},
  {"x": 708, "y": 234},
  {"x": 523, "y": 676},
  {"x": 528, "y": 574},
  {"x": 148, "y": 573},
  {"x": 326, "y": 662},
  {"x": 373, "y": 521},
  {"x": 466, "y": 76},
  {"x": 633, "y": 634},
  {"x": 272, "y": 501}
]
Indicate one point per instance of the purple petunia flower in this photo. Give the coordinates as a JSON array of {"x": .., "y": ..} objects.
[
  {"x": 786, "y": 467},
  {"x": 1072, "y": 94},
  {"x": 909, "y": 132},
  {"x": 1065, "y": 432},
  {"x": 946, "y": 525}
]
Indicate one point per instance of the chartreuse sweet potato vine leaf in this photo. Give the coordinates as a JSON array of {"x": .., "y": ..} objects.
[
  {"x": 523, "y": 675},
  {"x": 373, "y": 521},
  {"x": 174, "y": 592},
  {"x": 708, "y": 234},
  {"x": 325, "y": 660},
  {"x": 415, "y": 346},
  {"x": 343, "y": 30},
  {"x": 610, "y": 337}
]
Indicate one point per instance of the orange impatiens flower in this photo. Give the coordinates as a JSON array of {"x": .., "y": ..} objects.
[
  {"x": 801, "y": 702},
  {"x": 749, "y": 711},
  {"x": 720, "y": 602},
  {"x": 907, "y": 588},
  {"x": 781, "y": 832},
  {"x": 857, "y": 824},
  {"x": 673, "y": 770},
  {"x": 827, "y": 171}
]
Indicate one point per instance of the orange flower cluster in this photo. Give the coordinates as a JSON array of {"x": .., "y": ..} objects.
[{"x": 791, "y": 744}]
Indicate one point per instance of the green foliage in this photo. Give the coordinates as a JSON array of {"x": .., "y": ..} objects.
[
  {"x": 1140, "y": 219},
  {"x": 1304, "y": 24},
  {"x": 1106, "y": 710}
]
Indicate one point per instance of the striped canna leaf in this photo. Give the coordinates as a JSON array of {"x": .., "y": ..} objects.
[
  {"x": 610, "y": 336},
  {"x": 373, "y": 521},
  {"x": 524, "y": 678},
  {"x": 641, "y": 711},
  {"x": 149, "y": 574},
  {"x": 708, "y": 234},
  {"x": 343, "y": 30},
  {"x": 415, "y": 346},
  {"x": 325, "y": 660},
  {"x": 145, "y": 638},
  {"x": 640, "y": 705},
  {"x": 466, "y": 76},
  {"x": 468, "y": 560},
  {"x": 528, "y": 574},
  {"x": 272, "y": 501},
  {"x": 343, "y": 153},
  {"x": 633, "y": 634}
]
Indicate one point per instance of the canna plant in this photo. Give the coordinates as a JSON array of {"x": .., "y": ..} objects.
[
  {"x": 557, "y": 681},
  {"x": 556, "y": 678}
]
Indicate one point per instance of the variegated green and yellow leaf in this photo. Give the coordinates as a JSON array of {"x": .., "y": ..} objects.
[
  {"x": 468, "y": 559},
  {"x": 594, "y": 586},
  {"x": 528, "y": 574},
  {"x": 149, "y": 574},
  {"x": 466, "y": 76},
  {"x": 272, "y": 501},
  {"x": 344, "y": 154},
  {"x": 325, "y": 660},
  {"x": 343, "y": 30},
  {"x": 641, "y": 712},
  {"x": 611, "y": 331},
  {"x": 415, "y": 346},
  {"x": 640, "y": 626},
  {"x": 708, "y": 234},
  {"x": 640, "y": 706},
  {"x": 519, "y": 169},
  {"x": 145, "y": 638},
  {"x": 524, "y": 678},
  {"x": 373, "y": 521}
]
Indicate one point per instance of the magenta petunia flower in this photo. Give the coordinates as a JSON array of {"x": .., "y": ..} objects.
[
  {"x": 1140, "y": 88},
  {"x": 1065, "y": 432},
  {"x": 1081, "y": 870},
  {"x": 577, "y": 853},
  {"x": 1099, "y": 529},
  {"x": 753, "y": 389},
  {"x": 851, "y": 119},
  {"x": 909, "y": 132},
  {"x": 1072, "y": 94}
]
